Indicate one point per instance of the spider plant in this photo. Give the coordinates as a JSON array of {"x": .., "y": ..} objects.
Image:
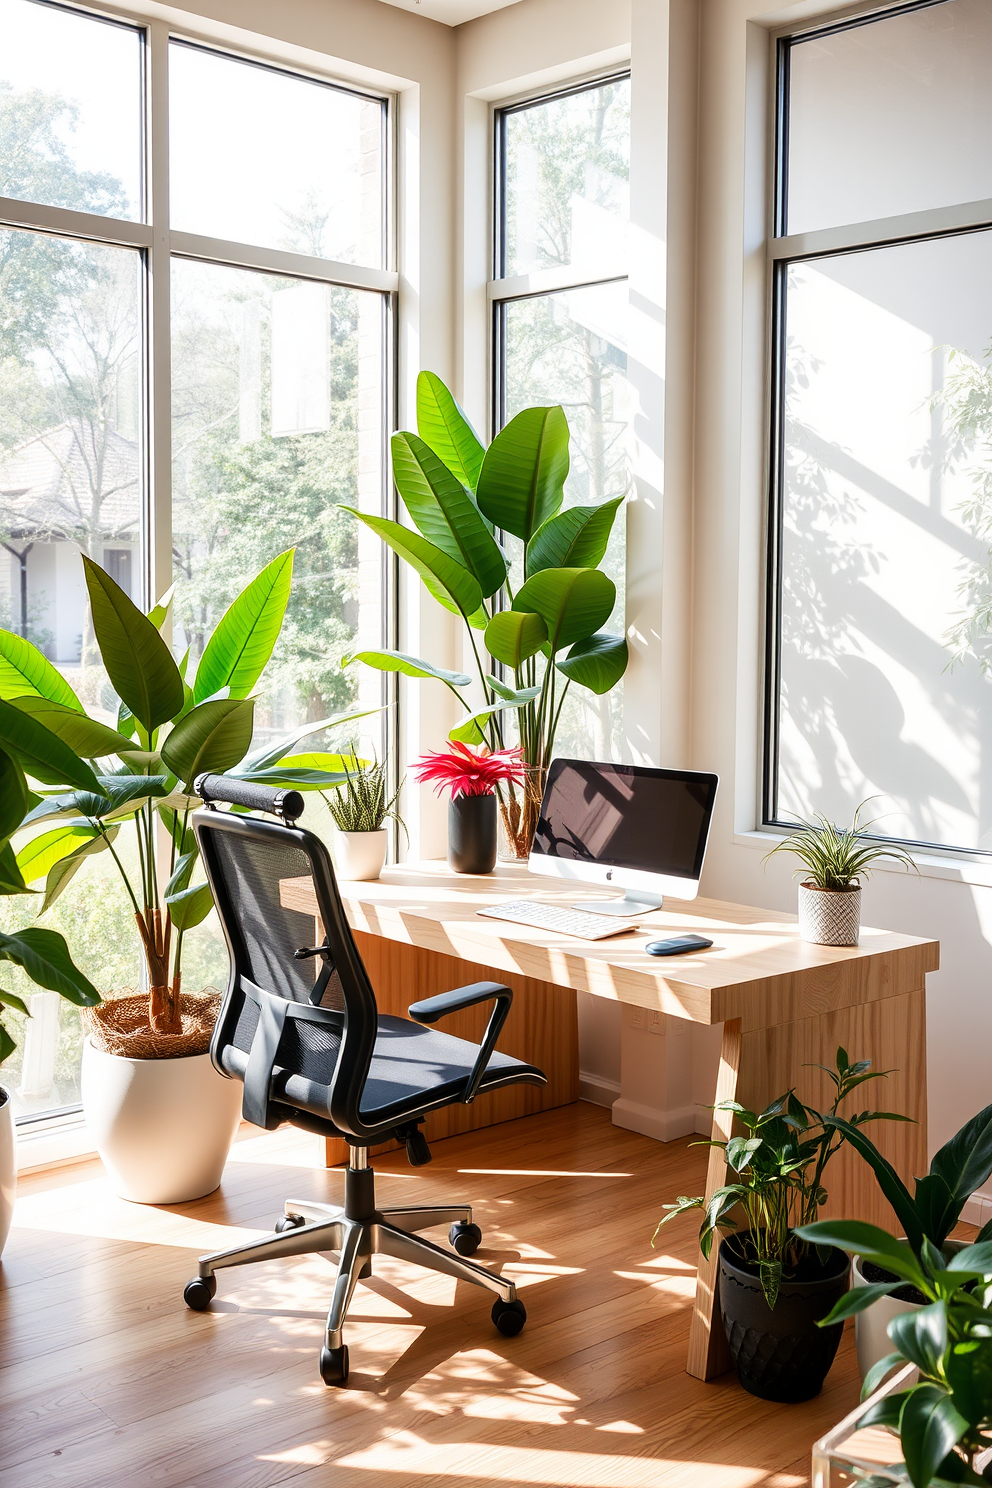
[
  {"x": 360, "y": 802},
  {"x": 837, "y": 858}
]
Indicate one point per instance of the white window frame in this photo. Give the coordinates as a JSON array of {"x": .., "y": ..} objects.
[{"x": 60, "y": 1135}]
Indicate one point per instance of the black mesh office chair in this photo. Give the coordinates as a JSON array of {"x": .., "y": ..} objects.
[{"x": 299, "y": 1026}]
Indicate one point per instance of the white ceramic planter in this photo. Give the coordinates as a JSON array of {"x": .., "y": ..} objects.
[
  {"x": 8, "y": 1165},
  {"x": 163, "y": 1127},
  {"x": 360, "y": 855},
  {"x": 829, "y": 916},
  {"x": 870, "y": 1336}
]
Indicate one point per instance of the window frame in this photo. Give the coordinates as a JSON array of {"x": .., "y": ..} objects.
[
  {"x": 503, "y": 289},
  {"x": 156, "y": 245},
  {"x": 782, "y": 250}
]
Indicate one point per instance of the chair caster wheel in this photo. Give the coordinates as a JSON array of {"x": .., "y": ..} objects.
[
  {"x": 465, "y": 1238},
  {"x": 198, "y": 1292},
  {"x": 509, "y": 1317},
  {"x": 334, "y": 1365},
  {"x": 289, "y": 1222}
]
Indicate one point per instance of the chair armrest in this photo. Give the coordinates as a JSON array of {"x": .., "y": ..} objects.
[{"x": 433, "y": 1008}]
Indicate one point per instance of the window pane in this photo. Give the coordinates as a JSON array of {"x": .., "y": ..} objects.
[
  {"x": 571, "y": 349},
  {"x": 567, "y": 172},
  {"x": 893, "y": 116},
  {"x": 259, "y": 156},
  {"x": 70, "y": 481},
  {"x": 886, "y": 685},
  {"x": 70, "y": 110}
]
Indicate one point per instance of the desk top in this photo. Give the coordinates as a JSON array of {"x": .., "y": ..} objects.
[{"x": 758, "y": 970}]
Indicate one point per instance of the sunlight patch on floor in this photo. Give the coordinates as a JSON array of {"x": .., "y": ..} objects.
[
  {"x": 94, "y": 1210},
  {"x": 539, "y": 1173}
]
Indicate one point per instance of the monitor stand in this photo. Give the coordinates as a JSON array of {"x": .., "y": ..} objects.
[{"x": 635, "y": 902}]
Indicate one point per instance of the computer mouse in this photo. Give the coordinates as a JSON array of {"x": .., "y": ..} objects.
[{"x": 677, "y": 945}]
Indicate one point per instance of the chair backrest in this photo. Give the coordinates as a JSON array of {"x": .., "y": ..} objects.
[{"x": 306, "y": 1016}]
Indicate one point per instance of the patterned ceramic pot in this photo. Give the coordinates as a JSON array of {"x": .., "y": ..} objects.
[{"x": 829, "y": 916}]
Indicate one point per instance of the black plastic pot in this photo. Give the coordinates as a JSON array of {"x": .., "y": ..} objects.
[
  {"x": 780, "y": 1353},
  {"x": 472, "y": 834}
]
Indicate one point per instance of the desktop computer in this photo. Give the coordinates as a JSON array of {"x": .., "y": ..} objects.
[{"x": 641, "y": 829}]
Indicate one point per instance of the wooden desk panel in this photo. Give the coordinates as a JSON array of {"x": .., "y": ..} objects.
[{"x": 784, "y": 1006}]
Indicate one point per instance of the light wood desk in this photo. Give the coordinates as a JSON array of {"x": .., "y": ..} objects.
[{"x": 784, "y": 1005}]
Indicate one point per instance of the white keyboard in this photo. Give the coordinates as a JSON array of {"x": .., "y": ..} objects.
[{"x": 553, "y": 917}]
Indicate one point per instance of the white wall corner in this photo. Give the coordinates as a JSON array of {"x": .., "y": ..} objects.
[
  {"x": 597, "y": 1089},
  {"x": 664, "y": 1126}
]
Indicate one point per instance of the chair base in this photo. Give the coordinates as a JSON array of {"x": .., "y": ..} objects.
[{"x": 358, "y": 1230}]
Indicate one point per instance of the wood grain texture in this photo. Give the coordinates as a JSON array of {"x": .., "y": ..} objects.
[
  {"x": 108, "y": 1381},
  {"x": 758, "y": 970},
  {"x": 542, "y": 1028},
  {"x": 709, "y": 1355}
]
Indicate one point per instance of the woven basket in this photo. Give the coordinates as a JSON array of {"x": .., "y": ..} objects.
[
  {"x": 120, "y": 1025},
  {"x": 830, "y": 916}
]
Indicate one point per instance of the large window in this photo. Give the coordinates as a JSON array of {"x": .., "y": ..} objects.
[
  {"x": 560, "y": 315},
  {"x": 880, "y": 629},
  {"x": 194, "y": 330}
]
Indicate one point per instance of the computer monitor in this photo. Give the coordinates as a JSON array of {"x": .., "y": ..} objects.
[{"x": 642, "y": 829}]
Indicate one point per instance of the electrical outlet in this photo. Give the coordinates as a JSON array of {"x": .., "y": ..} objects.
[
  {"x": 637, "y": 1017},
  {"x": 655, "y": 1024}
]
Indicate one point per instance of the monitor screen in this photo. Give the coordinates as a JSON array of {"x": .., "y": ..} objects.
[{"x": 626, "y": 816}]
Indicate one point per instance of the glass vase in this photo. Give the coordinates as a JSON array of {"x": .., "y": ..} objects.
[
  {"x": 519, "y": 809},
  {"x": 850, "y": 1456}
]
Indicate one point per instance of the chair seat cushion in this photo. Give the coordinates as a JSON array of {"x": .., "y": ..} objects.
[{"x": 413, "y": 1069}]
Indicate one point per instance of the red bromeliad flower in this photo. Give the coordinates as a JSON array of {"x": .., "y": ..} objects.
[{"x": 465, "y": 773}]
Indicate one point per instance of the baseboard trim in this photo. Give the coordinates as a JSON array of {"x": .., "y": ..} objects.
[
  {"x": 978, "y": 1209},
  {"x": 597, "y": 1089},
  {"x": 664, "y": 1126}
]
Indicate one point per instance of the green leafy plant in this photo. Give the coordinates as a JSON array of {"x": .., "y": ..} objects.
[
  {"x": 837, "y": 858},
  {"x": 944, "y": 1422},
  {"x": 779, "y": 1167},
  {"x": 360, "y": 803},
  {"x": 928, "y": 1215},
  {"x": 169, "y": 731},
  {"x": 545, "y": 635}
]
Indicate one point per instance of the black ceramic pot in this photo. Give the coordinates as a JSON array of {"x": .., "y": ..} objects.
[
  {"x": 779, "y": 1352},
  {"x": 472, "y": 834}
]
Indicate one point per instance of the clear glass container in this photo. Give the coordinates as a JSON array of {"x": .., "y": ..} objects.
[{"x": 850, "y": 1456}]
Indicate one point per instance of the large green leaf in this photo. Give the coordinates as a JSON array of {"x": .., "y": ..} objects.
[
  {"x": 928, "y": 1428},
  {"x": 84, "y": 736},
  {"x": 48, "y": 848},
  {"x": 62, "y": 872},
  {"x": 215, "y": 736},
  {"x": 447, "y": 579},
  {"x": 14, "y": 795},
  {"x": 443, "y": 425},
  {"x": 445, "y": 512},
  {"x": 188, "y": 907},
  {"x": 138, "y": 662},
  {"x": 410, "y": 666},
  {"x": 597, "y": 663},
  {"x": 963, "y": 1164},
  {"x": 576, "y": 538},
  {"x": 11, "y": 878},
  {"x": 888, "y": 1180},
  {"x": 45, "y": 957},
  {"x": 523, "y": 474},
  {"x": 239, "y": 649},
  {"x": 40, "y": 752},
  {"x": 24, "y": 672},
  {"x": 572, "y": 602},
  {"x": 272, "y": 753},
  {"x": 469, "y": 731},
  {"x": 513, "y": 635},
  {"x": 159, "y": 611},
  {"x": 119, "y": 794}
]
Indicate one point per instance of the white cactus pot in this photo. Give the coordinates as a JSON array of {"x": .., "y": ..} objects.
[
  {"x": 829, "y": 916},
  {"x": 360, "y": 855},
  {"x": 163, "y": 1127},
  {"x": 8, "y": 1165}
]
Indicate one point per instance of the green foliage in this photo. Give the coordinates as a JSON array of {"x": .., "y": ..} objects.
[
  {"x": 238, "y": 652},
  {"x": 518, "y": 485},
  {"x": 25, "y": 672},
  {"x": 778, "y": 1174},
  {"x": 361, "y": 803},
  {"x": 835, "y": 857},
  {"x": 944, "y": 1420}
]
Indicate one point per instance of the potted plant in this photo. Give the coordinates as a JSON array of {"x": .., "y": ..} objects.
[
  {"x": 774, "y": 1285},
  {"x": 42, "y": 954},
  {"x": 835, "y": 860},
  {"x": 538, "y": 637},
  {"x": 472, "y": 777},
  {"x": 161, "y": 1116},
  {"x": 927, "y": 1218},
  {"x": 360, "y": 808},
  {"x": 944, "y": 1419}
]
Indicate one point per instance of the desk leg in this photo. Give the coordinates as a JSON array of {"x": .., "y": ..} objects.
[{"x": 708, "y": 1351}]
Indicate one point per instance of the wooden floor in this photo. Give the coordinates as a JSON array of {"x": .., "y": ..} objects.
[{"x": 108, "y": 1381}]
